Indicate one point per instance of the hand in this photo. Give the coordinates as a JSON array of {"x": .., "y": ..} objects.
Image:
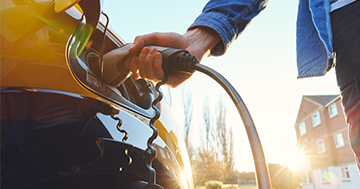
[{"x": 198, "y": 42}]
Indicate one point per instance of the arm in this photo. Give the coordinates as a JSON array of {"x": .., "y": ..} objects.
[
  {"x": 198, "y": 41},
  {"x": 217, "y": 26},
  {"x": 228, "y": 18}
]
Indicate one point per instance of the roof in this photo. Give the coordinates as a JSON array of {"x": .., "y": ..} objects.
[
  {"x": 316, "y": 101},
  {"x": 322, "y": 99}
]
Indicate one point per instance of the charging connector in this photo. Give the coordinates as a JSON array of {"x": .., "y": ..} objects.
[
  {"x": 177, "y": 60},
  {"x": 115, "y": 70}
]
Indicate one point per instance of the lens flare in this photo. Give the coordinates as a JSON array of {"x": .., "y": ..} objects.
[{"x": 296, "y": 159}]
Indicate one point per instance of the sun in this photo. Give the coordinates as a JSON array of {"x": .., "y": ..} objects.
[{"x": 296, "y": 159}]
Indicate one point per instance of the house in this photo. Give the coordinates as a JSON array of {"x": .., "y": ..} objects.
[{"x": 322, "y": 134}]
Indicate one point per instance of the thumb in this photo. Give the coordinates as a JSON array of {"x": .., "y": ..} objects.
[
  {"x": 143, "y": 40},
  {"x": 136, "y": 46}
]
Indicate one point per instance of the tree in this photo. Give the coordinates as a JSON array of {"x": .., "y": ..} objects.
[
  {"x": 214, "y": 160},
  {"x": 207, "y": 124},
  {"x": 231, "y": 158},
  {"x": 188, "y": 111},
  {"x": 207, "y": 167},
  {"x": 225, "y": 138}
]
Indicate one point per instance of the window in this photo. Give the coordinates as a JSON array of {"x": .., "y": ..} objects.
[
  {"x": 316, "y": 119},
  {"x": 302, "y": 128},
  {"x": 339, "y": 140},
  {"x": 345, "y": 173},
  {"x": 320, "y": 146},
  {"x": 325, "y": 175},
  {"x": 332, "y": 110}
]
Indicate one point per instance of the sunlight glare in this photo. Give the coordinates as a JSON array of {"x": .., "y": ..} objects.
[{"x": 295, "y": 159}]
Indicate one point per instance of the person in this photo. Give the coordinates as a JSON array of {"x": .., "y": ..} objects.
[{"x": 327, "y": 35}]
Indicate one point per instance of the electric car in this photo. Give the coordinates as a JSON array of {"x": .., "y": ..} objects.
[{"x": 62, "y": 125}]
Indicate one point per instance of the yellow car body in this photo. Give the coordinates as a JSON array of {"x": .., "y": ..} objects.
[{"x": 51, "y": 110}]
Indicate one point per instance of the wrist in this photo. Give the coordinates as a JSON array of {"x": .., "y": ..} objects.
[{"x": 202, "y": 40}]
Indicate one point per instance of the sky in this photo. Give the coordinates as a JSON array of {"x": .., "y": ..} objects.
[{"x": 260, "y": 64}]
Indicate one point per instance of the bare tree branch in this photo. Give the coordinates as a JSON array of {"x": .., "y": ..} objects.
[
  {"x": 188, "y": 111},
  {"x": 224, "y": 137},
  {"x": 207, "y": 124}
]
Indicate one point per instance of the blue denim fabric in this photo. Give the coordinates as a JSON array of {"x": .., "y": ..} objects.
[
  {"x": 314, "y": 39},
  {"x": 228, "y": 18}
]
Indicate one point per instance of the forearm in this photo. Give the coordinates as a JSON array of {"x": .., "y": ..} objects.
[
  {"x": 201, "y": 40},
  {"x": 228, "y": 19}
]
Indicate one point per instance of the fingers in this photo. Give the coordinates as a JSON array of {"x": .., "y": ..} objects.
[
  {"x": 143, "y": 40},
  {"x": 147, "y": 65},
  {"x": 168, "y": 39},
  {"x": 158, "y": 71},
  {"x": 141, "y": 61}
]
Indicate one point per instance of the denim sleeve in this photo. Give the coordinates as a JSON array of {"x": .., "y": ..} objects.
[{"x": 228, "y": 18}]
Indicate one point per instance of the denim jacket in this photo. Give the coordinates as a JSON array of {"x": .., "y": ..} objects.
[{"x": 313, "y": 34}]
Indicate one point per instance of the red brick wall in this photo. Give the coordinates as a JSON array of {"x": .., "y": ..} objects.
[
  {"x": 326, "y": 130},
  {"x": 343, "y": 154},
  {"x": 337, "y": 122}
]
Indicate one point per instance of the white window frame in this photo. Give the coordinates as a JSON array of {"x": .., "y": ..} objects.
[
  {"x": 320, "y": 146},
  {"x": 316, "y": 120},
  {"x": 302, "y": 128},
  {"x": 333, "y": 110},
  {"x": 339, "y": 140},
  {"x": 345, "y": 173}
]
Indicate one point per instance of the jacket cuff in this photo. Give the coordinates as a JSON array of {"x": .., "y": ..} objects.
[{"x": 221, "y": 26}]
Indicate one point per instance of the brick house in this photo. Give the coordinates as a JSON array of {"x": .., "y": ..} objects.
[{"x": 322, "y": 134}]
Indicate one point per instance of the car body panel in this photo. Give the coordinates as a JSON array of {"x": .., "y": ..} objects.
[{"x": 34, "y": 61}]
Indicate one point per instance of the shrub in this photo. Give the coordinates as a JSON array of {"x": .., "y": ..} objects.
[{"x": 213, "y": 184}]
